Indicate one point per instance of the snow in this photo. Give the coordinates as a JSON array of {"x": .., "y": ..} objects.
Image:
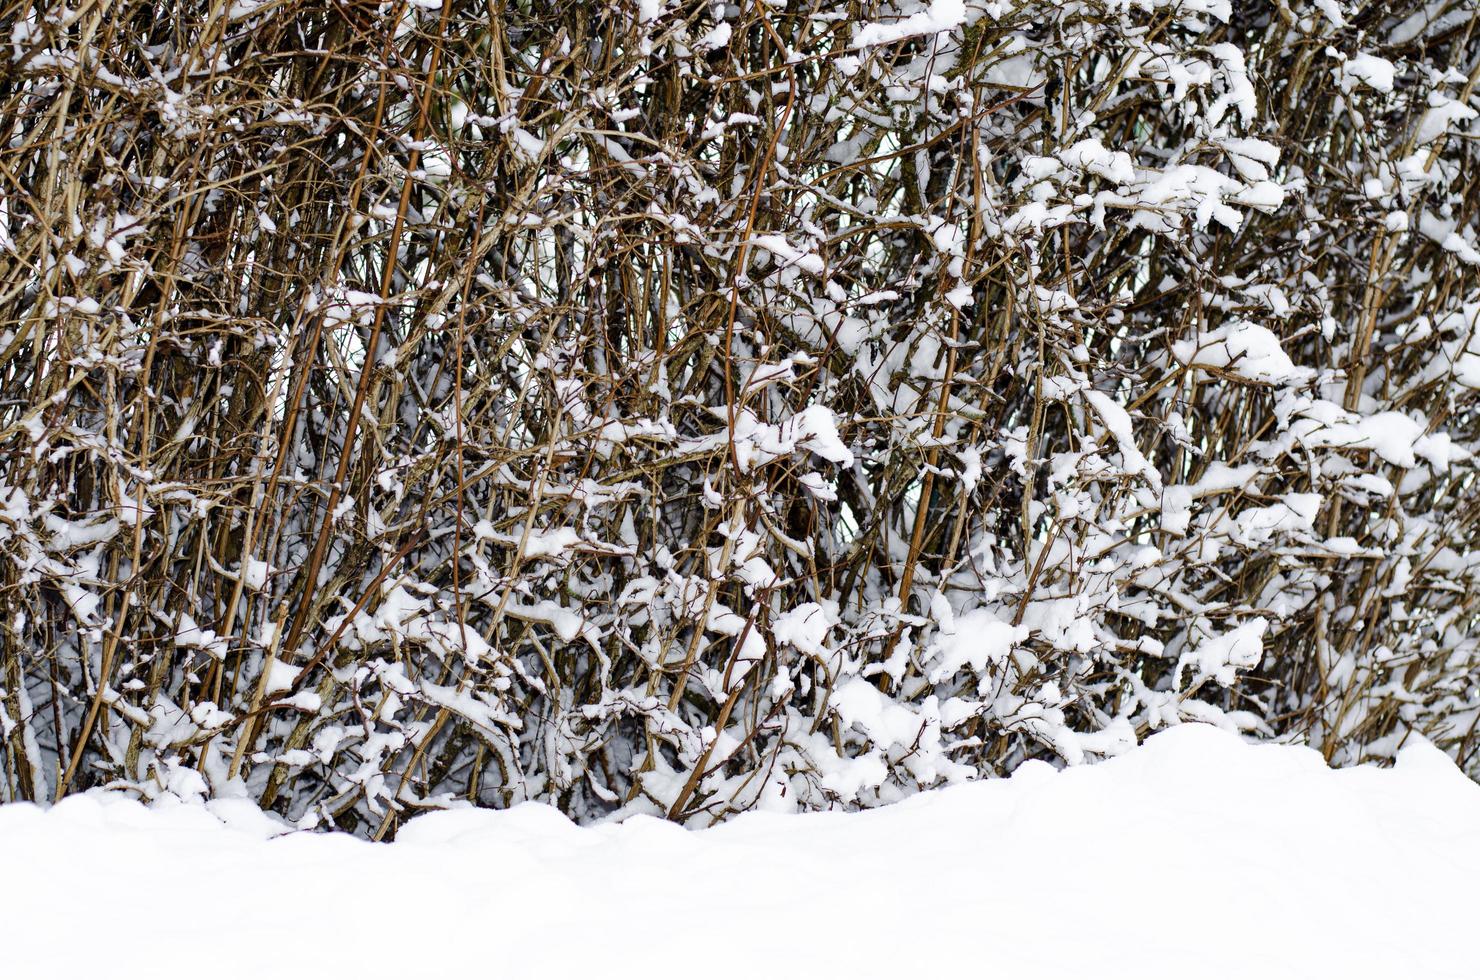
[
  {"x": 1091, "y": 155},
  {"x": 1205, "y": 186},
  {"x": 544, "y": 544},
  {"x": 1118, "y": 422},
  {"x": 530, "y": 146},
  {"x": 1283, "y": 867},
  {"x": 1441, "y": 114},
  {"x": 862, "y": 705},
  {"x": 280, "y": 676},
  {"x": 942, "y": 15},
  {"x": 809, "y": 521},
  {"x": 789, "y": 254},
  {"x": 960, "y": 297},
  {"x": 1221, "y": 657},
  {"x": 1220, "y": 9},
  {"x": 805, "y": 627},
  {"x": 255, "y": 573},
  {"x": 1366, "y": 69},
  {"x": 814, "y": 428},
  {"x": 1393, "y": 436},
  {"x": 1244, "y": 349},
  {"x": 976, "y": 639},
  {"x": 718, "y": 37},
  {"x": 189, "y": 634},
  {"x": 1333, "y": 12}
]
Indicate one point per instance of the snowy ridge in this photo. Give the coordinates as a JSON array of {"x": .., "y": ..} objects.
[{"x": 1231, "y": 860}]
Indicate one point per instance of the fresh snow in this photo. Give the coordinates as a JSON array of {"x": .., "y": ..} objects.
[
  {"x": 1243, "y": 349},
  {"x": 941, "y": 15},
  {"x": 1366, "y": 69},
  {"x": 1221, "y": 657},
  {"x": 1231, "y": 860}
]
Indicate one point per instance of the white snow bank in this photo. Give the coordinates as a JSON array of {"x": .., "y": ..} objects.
[{"x": 1195, "y": 855}]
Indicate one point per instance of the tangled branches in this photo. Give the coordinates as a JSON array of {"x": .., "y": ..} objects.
[{"x": 683, "y": 408}]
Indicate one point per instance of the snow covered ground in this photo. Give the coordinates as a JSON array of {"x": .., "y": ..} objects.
[{"x": 1193, "y": 856}]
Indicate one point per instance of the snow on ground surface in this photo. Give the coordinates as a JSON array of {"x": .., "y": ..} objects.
[{"x": 1193, "y": 856}]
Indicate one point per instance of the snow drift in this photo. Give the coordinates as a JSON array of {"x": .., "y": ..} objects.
[{"x": 1229, "y": 860}]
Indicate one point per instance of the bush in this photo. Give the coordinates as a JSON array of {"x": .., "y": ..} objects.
[{"x": 684, "y": 408}]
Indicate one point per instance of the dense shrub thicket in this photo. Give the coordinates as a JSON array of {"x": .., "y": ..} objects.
[{"x": 681, "y": 407}]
